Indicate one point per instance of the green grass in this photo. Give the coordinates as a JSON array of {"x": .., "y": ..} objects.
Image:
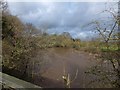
[{"x": 110, "y": 48}]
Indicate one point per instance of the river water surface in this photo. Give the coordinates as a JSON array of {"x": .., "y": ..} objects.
[{"x": 57, "y": 62}]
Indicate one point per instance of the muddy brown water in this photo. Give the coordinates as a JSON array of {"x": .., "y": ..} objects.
[
  {"x": 59, "y": 61},
  {"x": 49, "y": 65}
]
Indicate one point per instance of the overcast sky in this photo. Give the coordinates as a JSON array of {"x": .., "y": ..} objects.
[{"x": 58, "y": 17}]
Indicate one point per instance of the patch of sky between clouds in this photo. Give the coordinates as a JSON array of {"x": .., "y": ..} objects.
[{"x": 58, "y": 17}]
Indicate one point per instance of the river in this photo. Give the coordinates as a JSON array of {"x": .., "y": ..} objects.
[{"x": 53, "y": 63}]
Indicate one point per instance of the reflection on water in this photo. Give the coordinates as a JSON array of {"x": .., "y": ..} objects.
[{"x": 53, "y": 63}]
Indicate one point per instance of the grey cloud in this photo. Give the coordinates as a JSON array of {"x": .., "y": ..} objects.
[{"x": 58, "y": 17}]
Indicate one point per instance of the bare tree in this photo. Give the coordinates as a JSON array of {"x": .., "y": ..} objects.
[{"x": 107, "y": 28}]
